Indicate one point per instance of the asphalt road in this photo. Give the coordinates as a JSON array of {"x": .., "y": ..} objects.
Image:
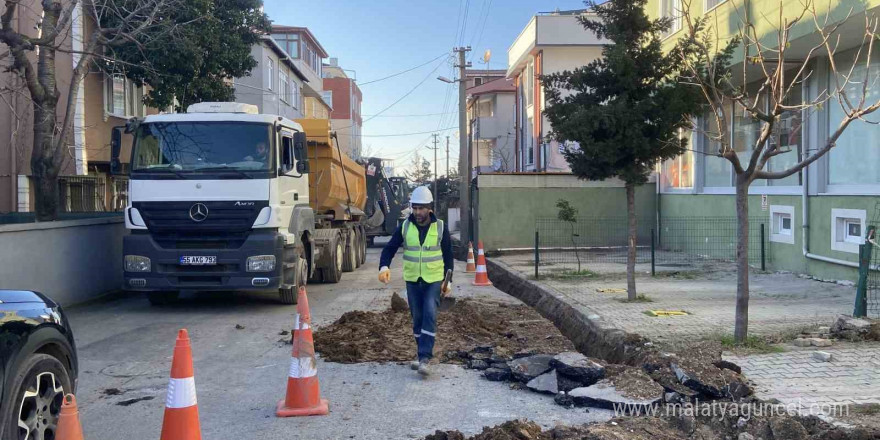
[{"x": 125, "y": 348}]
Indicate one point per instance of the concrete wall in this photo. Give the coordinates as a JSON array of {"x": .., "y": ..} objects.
[
  {"x": 509, "y": 204},
  {"x": 785, "y": 256},
  {"x": 254, "y": 89},
  {"x": 71, "y": 261}
]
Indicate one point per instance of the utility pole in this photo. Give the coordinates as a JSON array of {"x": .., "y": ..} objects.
[
  {"x": 436, "y": 194},
  {"x": 447, "y": 157},
  {"x": 464, "y": 163}
]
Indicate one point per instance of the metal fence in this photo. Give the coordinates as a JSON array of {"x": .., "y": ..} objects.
[
  {"x": 679, "y": 241},
  {"x": 92, "y": 193},
  {"x": 868, "y": 287}
]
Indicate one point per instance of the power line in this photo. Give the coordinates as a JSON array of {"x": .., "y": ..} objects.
[
  {"x": 399, "y": 99},
  {"x": 411, "y": 116},
  {"x": 405, "y": 71},
  {"x": 399, "y": 134}
]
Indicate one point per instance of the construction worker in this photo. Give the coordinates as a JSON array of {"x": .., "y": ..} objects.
[{"x": 427, "y": 255}]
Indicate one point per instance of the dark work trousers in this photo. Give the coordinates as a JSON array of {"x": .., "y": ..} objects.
[{"x": 424, "y": 298}]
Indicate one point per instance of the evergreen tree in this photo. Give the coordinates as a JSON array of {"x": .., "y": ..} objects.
[{"x": 626, "y": 110}]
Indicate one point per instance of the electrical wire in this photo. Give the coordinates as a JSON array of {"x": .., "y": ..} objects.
[
  {"x": 399, "y": 134},
  {"x": 405, "y": 71}
]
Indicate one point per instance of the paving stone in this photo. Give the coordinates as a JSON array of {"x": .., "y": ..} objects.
[{"x": 823, "y": 356}]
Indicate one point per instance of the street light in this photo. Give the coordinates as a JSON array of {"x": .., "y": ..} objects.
[{"x": 445, "y": 79}]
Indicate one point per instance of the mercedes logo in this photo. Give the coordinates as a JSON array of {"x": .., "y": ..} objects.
[{"x": 198, "y": 212}]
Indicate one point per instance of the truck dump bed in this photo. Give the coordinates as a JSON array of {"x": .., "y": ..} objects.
[{"x": 331, "y": 191}]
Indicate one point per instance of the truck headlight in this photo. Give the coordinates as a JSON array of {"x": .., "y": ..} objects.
[
  {"x": 261, "y": 263},
  {"x": 137, "y": 263}
]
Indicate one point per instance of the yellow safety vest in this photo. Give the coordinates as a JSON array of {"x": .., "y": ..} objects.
[{"x": 422, "y": 261}]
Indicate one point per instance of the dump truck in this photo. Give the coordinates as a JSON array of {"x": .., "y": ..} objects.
[{"x": 223, "y": 198}]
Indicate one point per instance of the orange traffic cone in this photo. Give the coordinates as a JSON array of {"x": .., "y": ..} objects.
[
  {"x": 482, "y": 278},
  {"x": 303, "y": 393},
  {"x": 68, "y": 421},
  {"x": 181, "y": 420},
  {"x": 471, "y": 266}
]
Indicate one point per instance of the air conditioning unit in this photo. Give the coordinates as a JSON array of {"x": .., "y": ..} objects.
[{"x": 223, "y": 107}]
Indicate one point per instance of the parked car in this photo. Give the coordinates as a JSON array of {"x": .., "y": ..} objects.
[{"x": 38, "y": 364}]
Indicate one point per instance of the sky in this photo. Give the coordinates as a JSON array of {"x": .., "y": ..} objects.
[{"x": 378, "y": 38}]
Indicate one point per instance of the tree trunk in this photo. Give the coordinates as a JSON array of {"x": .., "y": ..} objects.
[
  {"x": 631, "y": 250},
  {"x": 47, "y": 150},
  {"x": 742, "y": 259},
  {"x": 44, "y": 165}
]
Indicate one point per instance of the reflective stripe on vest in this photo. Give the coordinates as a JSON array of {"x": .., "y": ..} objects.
[{"x": 423, "y": 261}]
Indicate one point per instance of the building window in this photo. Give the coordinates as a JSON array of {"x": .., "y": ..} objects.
[
  {"x": 711, "y": 4},
  {"x": 284, "y": 87},
  {"x": 717, "y": 171},
  {"x": 855, "y": 160},
  {"x": 289, "y": 42},
  {"x": 270, "y": 74},
  {"x": 847, "y": 228},
  {"x": 787, "y": 132},
  {"x": 671, "y": 9},
  {"x": 478, "y": 81},
  {"x": 782, "y": 224},
  {"x": 123, "y": 98},
  {"x": 678, "y": 173},
  {"x": 746, "y": 131}
]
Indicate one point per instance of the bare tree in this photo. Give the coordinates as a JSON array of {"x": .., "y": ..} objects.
[
  {"x": 33, "y": 59},
  {"x": 766, "y": 88}
]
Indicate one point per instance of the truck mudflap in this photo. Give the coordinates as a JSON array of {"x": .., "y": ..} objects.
[{"x": 204, "y": 264}]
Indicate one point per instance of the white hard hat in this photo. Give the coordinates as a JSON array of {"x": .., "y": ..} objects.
[{"x": 422, "y": 196}]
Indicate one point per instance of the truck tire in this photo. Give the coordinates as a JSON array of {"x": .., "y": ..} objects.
[
  {"x": 298, "y": 264},
  {"x": 357, "y": 247},
  {"x": 333, "y": 273},
  {"x": 363, "y": 245},
  {"x": 349, "y": 259},
  {"x": 162, "y": 298}
]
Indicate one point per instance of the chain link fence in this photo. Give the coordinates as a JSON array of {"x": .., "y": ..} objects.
[{"x": 591, "y": 242}]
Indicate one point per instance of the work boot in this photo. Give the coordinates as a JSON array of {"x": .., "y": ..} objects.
[
  {"x": 423, "y": 367},
  {"x": 414, "y": 365}
]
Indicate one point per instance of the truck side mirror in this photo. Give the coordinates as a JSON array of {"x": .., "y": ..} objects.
[
  {"x": 115, "y": 150},
  {"x": 300, "y": 152}
]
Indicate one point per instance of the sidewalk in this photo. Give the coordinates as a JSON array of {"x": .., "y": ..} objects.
[{"x": 779, "y": 304}]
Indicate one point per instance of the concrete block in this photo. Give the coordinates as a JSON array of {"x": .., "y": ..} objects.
[
  {"x": 823, "y": 356},
  {"x": 819, "y": 342},
  {"x": 801, "y": 342}
]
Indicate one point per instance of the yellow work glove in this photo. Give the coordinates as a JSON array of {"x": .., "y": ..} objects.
[{"x": 385, "y": 275}]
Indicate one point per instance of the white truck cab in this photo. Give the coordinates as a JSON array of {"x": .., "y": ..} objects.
[{"x": 218, "y": 200}]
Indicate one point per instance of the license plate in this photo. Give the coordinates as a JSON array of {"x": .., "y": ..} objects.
[{"x": 198, "y": 261}]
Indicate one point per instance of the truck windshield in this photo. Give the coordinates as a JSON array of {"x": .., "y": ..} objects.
[{"x": 203, "y": 147}]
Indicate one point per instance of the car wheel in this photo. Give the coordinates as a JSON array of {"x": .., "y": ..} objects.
[{"x": 33, "y": 407}]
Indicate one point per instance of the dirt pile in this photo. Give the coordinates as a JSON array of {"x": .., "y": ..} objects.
[
  {"x": 387, "y": 336},
  {"x": 670, "y": 428}
]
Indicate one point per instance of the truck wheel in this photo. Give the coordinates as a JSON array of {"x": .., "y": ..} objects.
[
  {"x": 300, "y": 268},
  {"x": 349, "y": 259},
  {"x": 333, "y": 273},
  {"x": 357, "y": 248},
  {"x": 162, "y": 298},
  {"x": 363, "y": 246}
]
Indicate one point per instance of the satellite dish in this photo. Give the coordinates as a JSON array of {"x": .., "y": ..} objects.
[{"x": 487, "y": 56}]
